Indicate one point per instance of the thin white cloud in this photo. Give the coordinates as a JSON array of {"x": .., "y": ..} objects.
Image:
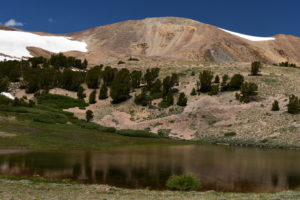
[
  {"x": 50, "y": 20},
  {"x": 13, "y": 22}
]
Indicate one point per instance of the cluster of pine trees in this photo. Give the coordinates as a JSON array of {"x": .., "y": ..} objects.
[
  {"x": 40, "y": 73},
  {"x": 156, "y": 89}
]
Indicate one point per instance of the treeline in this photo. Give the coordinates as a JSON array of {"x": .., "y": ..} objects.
[
  {"x": 156, "y": 89},
  {"x": 58, "y": 61},
  {"x": 286, "y": 64},
  {"x": 213, "y": 85},
  {"x": 39, "y": 73}
]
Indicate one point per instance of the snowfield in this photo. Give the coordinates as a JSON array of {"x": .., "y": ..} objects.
[
  {"x": 249, "y": 37},
  {"x": 8, "y": 95},
  {"x": 14, "y": 43}
]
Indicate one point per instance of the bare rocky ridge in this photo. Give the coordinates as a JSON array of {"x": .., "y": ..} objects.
[
  {"x": 172, "y": 38},
  {"x": 183, "y": 39}
]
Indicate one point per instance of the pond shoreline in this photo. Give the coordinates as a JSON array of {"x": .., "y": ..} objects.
[{"x": 28, "y": 190}]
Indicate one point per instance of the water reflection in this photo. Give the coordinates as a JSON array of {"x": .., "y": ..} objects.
[{"x": 218, "y": 168}]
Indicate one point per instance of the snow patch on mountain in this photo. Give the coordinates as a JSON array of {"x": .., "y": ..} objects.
[
  {"x": 8, "y": 95},
  {"x": 249, "y": 37},
  {"x": 14, "y": 43}
]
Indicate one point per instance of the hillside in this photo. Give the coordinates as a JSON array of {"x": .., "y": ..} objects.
[
  {"x": 185, "y": 39},
  {"x": 174, "y": 46},
  {"x": 167, "y": 38}
]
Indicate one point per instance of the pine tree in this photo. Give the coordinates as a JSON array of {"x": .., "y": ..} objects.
[
  {"x": 84, "y": 64},
  {"x": 120, "y": 88},
  {"x": 255, "y": 67},
  {"x": 224, "y": 84},
  {"x": 217, "y": 79},
  {"x": 248, "y": 90},
  {"x": 193, "y": 93},
  {"x": 92, "y": 98},
  {"x": 170, "y": 98},
  {"x": 236, "y": 82},
  {"x": 205, "y": 78},
  {"x": 103, "y": 92},
  {"x": 150, "y": 76},
  {"x": 80, "y": 93},
  {"x": 214, "y": 89},
  {"x": 136, "y": 77},
  {"x": 93, "y": 77},
  {"x": 155, "y": 91},
  {"x": 89, "y": 115},
  {"x": 293, "y": 105},
  {"x": 142, "y": 99},
  {"x": 275, "y": 106},
  {"x": 182, "y": 100}
]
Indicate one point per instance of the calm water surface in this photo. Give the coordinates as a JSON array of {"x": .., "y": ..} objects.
[{"x": 219, "y": 168}]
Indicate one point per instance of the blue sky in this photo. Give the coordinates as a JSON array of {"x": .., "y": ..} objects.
[{"x": 253, "y": 17}]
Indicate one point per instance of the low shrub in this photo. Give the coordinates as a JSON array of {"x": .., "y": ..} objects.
[
  {"x": 185, "y": 182},
  {"x": 230, "y": 134},
  {"x": 137, "y": 133},
  {"x": 133, "y": 59},
  {"x": 275, "y": 106},
  {"x": 60, "y": 101},
  {"x": 121, "y": 62}
]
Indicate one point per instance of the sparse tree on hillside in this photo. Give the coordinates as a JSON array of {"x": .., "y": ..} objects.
[
  {"x": 275, "y": 106},
  {"x": 136, "y": 77},
  {"x": 93, "y": 77},
  {"x": 224, "y": 84},
  {"x": 182, "y": 100},
  {"x": 170, "y": 98},
  {"x": 205, "y": 78},
  {"x": 108, "y": 75},
  {"x": 92, "y": 98},
  {"x": 120, "y": 87},
  {"x": 217, "y": 79},
  {"x": 80, "y": 93},
  {"x": 236, "y": 82},
  {"x": 293, "y": 105},
  {"x": 248, "y": 90},
  {"x": 169, "y": 82},
  {"x": 155, "y": 91},
  {"x": 255, "y": 67},
  {"x": 193, "y": 93},
  {"x": 89, "y": 115},
  {"x": 150, "y": 76},
  {"x": 142, "y": 98},
  {"x": 103, "y": 92},
  {"x": 214, "y": 89}
]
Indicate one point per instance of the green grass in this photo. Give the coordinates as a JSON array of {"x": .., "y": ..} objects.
[
  {"x": 43, "y": 136},
  {"x": 29, "y": 190},
  {"x": 46, "y": 127}
]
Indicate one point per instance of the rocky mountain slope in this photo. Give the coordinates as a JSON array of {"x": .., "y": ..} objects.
[
  {"x": 171, "y": 38},
  {"x": 185, "y": 39}
]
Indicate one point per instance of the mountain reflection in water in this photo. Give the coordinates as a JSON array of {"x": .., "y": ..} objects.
[{"x": 217, "y": 167}]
